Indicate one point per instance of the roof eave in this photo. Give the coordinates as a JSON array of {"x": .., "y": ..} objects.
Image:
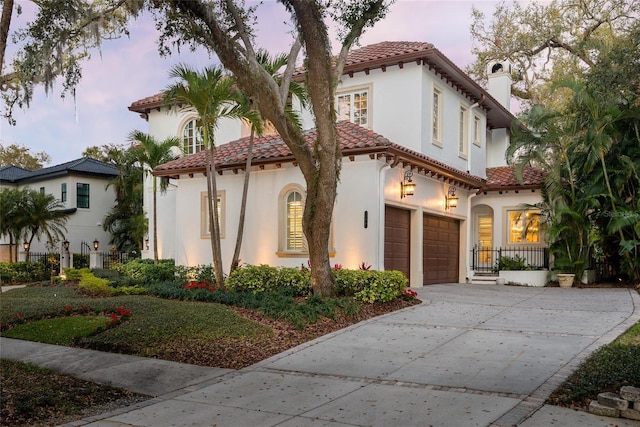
[{"x": 393, "y": 156}]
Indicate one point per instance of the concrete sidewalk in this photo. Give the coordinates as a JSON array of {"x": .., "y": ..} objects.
[{"x": 471, "y": 355}]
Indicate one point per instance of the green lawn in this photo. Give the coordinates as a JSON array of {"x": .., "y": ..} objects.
[{"x": 153, "y": 322}]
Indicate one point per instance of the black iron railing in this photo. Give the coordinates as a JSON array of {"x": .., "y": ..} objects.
[
  {"x": 488, "y": 260},
  {"x": 112, "y": 257},
  {"x": 51, "y": 260}
]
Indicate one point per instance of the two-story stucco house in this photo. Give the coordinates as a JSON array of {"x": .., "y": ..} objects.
[
  {"x": 81, "y": 186},
  {"x": 424, "y": 178}
]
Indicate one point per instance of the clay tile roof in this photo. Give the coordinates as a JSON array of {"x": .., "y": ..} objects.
[
  {"x": 147, "y": 103},
  {"x": 354, "y": 140},
  {"x": 504, "y": 178},
  {"x": 372, "y": 56},
  {"x": 385, "y": 50}
]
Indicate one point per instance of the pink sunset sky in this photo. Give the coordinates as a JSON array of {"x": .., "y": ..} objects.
[{"x": 130, "y": 69}]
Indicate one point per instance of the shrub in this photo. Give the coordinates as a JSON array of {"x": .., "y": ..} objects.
[
  {"x": 23, "y": 272},
  {"x": 514, "y": 263},
  {"x": 130, "y": 290},
  {"x": 115, "y": 279},
  {"x": 364, "y": 285},
  {"x": 199, "y": 273},
  {"x": 73, "y": 274},
  {"x": 143, "y": 271},
  {"x": 93, "y": 285},
  {"x": 370, "y": 285},
  {"x": 261, "y": 278}
]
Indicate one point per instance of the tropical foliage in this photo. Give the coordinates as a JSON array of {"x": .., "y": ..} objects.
[
  {"x": 590, "y": 149},
  {"x": 27, "y": 214},
  {"x": 212, "y": 94},
  {"x": 126, "y": 221},
  {"x": 149, "y": 154}
]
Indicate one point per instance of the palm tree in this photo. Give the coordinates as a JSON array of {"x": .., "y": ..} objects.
[
  {"x": 150, "y": 154},
  {"x": 272, "y": 65},
  {"x": 126, "y": 221},
  {"x": 213, "y": 95},
  {"x": 44, "y": 216},
  {"x": 12, "y": 220}
]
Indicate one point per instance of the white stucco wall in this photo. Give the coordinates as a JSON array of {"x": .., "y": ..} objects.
[
  {"x": 84, "y": 224},
  {"x": 168, "y": 123}
]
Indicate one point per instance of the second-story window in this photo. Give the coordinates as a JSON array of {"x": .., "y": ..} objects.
[
  {"x": 192, "y": 141},
  {"x": 477, "y": 129},
  {"x": 354, "y": 106},
  {"x": 463, "y": 132},
  {"x": 82, "y": 196},
  {"x": 63, "y": 192},
  {"x": 436, "y": 117}
]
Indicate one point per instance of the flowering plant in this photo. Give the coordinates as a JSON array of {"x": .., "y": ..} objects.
[
  {"x": 409, "y": 294},
  {"x": 205, "y": 284},
  {"x": 365, "y": 266}
]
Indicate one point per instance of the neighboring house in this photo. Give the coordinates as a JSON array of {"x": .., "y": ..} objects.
[
  {"x": 81, "y": 187},
  {"x": 407, "y": 115}
]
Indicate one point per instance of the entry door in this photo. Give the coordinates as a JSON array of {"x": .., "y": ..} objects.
[
  {"x": 441, "y": 250},
  {"x": 397, "y": 239}
]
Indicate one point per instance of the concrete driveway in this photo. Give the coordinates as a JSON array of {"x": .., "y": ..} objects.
[{"x": 471, "y": 355}]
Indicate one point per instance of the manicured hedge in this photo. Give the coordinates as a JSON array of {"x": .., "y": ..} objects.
[{"x": 363, "y": 285}]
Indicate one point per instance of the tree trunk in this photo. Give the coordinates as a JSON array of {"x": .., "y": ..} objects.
[
  {"x": 214, "y": 224},
  {"x": 5, "y": 25},
  {"x": 243, "y": 205},
  {"x": 155, "y": 222}
]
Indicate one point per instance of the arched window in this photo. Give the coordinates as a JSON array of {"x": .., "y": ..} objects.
[
  {"x": 192, "y": 141},
  {"x": 294, "y": 234},
  {"x": 291, "y": 239}
]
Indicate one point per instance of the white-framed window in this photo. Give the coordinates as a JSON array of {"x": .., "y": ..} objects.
[
  {"x": 524, "y": 226},
  {"x": 463, "y": 131},
  {"x": 354, "y": 105},
  {"x": 291, "y": 241},
  {"x": 63, "y": 192},
  {"x": 205, "y": 229},
  {"x": 192, "y": 141},
  {"x": 477, "y": 130},
  {"x": 436, "y": 117},
  {"x": 294, "y": 234}
]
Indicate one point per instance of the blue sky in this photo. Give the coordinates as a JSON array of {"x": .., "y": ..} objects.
[{"x": 130, "y": 69}]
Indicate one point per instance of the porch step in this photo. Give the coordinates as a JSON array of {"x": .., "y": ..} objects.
[{"x": 484, "y": 279}]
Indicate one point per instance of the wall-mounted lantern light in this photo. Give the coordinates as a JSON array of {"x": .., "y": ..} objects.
[
  {"x": 65, "y": 245},
  {"x": 96, "y": 245},
  {"x": 407, "y": 187},
  {"x": 146, "y": 242},
  {"x": 450, "y": 200},
  {"x": 25, "y": 245}
]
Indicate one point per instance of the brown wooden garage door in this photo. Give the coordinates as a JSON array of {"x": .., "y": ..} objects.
[
  {"x": 440, "y": 249},
  {"x": 397, "y": 239}
]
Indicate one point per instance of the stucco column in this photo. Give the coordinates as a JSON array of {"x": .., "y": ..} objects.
[{"x": 95, "y": 259}]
